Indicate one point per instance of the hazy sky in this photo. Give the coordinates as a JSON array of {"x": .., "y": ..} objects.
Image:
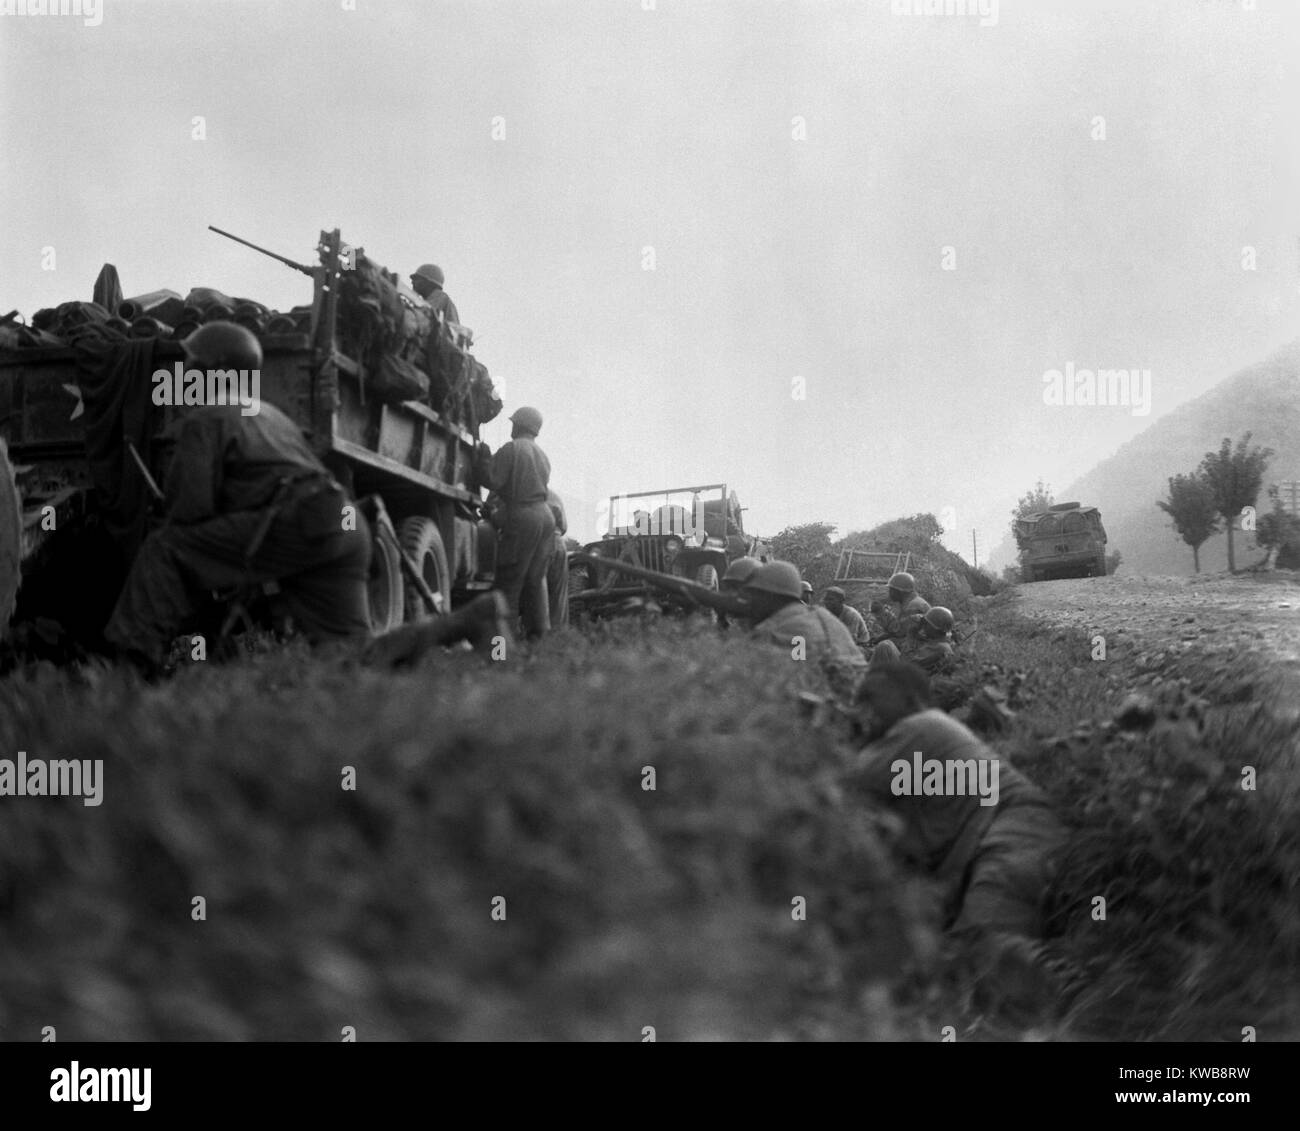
[{"x": 798, "y": 169}]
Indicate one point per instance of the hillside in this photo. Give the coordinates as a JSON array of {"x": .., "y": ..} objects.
[{"x": 1263, "y": 399}]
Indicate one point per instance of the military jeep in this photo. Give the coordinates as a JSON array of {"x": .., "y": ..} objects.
[{"x": 690, "y": 532}]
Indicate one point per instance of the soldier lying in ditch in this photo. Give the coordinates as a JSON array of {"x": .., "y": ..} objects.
[{"x": 971, "y": 820}]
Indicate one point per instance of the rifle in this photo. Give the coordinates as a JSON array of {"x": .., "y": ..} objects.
[
  {"x": 308, "y": 271},
  {"x": 691, "y": 591}
]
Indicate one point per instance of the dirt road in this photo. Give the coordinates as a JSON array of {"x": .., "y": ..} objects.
[
  {"x": 1205, "y": 622},
  {"x": 1214, "y": 612}
]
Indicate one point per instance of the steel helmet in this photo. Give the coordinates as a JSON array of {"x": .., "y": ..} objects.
[
  {"x": 834, "y": 591},
  {"x": 903, "y": 582},
  {"x": 430, "y": 271},
  {"x": 780, "y": 578},
  {"x": 223, "y": 345},
  {"x": 806, "y": 588},
  {"x": 940, "y": 619},
  {"x": 741, "y": 570},
  {"x": 527, "y": 418}
]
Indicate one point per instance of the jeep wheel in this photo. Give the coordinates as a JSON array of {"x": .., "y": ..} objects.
[{"x": 707, "y": 576}]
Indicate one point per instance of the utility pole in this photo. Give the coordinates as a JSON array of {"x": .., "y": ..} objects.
[{"x": 975, "y": 548}]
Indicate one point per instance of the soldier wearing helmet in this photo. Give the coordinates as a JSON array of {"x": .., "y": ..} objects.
[
  {"x": 427, "y": 283},
  {"x": 902, "y": 612},
  {"x": 738, "y": 572},
  {"x": 988, "y": 835},
  {"x": 930, "y": 646},
  {"x": 849, "y": 617},
  {"x": 247, "y": 501},
  {"x": 774, "y": 592},
  {"x": 519, "y": 476},
  {"x": 805, "y": 592}
]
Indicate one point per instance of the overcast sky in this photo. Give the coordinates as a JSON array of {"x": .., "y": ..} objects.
[{"x": 798, "y": 169}]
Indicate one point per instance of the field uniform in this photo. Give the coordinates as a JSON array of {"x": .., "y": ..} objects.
[
  {"x": 519, "y": 475},
  {"x": 854, "y": 621},
  {"x": 440, "y": 302},
  {"x": 826, "y": 640},
  {"x": 227, "y": 472},
  {"x": 557, "y": 575},
  {"x": 994, "y": 861},
  {"x": 899, "y": 618}
]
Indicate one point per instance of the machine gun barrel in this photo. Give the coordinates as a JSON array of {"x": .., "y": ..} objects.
[
  {"x": 283, "y": 259},
  {"x": 691, "y": 590}
]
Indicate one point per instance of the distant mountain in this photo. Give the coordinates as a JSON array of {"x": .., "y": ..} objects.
[{"x": 1263, "y": 399}]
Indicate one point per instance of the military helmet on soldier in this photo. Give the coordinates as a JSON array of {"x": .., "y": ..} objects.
[
  {"x": 940, "y": 619},
  {"x": 527, "y": 419},
  {"x": 903, "y": 583},
  {"x": 741, "y": 570},
  {"x": 780, "y": 578},
  {"x": 430, "y": 271},
  {"x": 223, "y": 345}
]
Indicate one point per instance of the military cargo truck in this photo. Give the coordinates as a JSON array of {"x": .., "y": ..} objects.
[
  {"x": 1066, "y": 540},
  {"x": 410, "y": 464}
]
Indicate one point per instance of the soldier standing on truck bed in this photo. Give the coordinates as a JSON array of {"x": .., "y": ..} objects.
[
  {"x": 519, "y": 476},
  {"x": 248, "y": 502},
  {"x": 427, "y": 283}
]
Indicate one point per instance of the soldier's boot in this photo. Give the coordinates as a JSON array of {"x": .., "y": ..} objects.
[
  {"x": 485, "y": 623},
  {"x": 482, "y": 622}
]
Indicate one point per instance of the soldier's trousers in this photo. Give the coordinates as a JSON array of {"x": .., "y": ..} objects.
[
  {"x": 557, "y": 584},
  {"x": 524, "y": 552},
  {"x": 1009, "y": 874},
  {"x": 323, "y": 579}
]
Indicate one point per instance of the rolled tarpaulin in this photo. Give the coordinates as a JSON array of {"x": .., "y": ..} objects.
[
  {"x": 165, "y": 306},
  {"x": 149, "y": 328}
]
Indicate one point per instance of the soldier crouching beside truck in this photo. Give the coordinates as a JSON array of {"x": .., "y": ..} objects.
[
  {"x": 970, "y": 819},
  {"x": 247, "y": 501}
]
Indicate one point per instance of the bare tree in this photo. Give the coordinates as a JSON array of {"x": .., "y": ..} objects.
[
  {"x": 1195, "y": 511},
  {"x": 1235, "y": 476}
]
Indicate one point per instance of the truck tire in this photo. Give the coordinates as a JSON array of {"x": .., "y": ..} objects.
[
  {"x": 384, "y": 587},
  {"x": 11, "y": 539},
  {"x": 422, "y": 541},
  {"x": 707, "y": 576}
]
